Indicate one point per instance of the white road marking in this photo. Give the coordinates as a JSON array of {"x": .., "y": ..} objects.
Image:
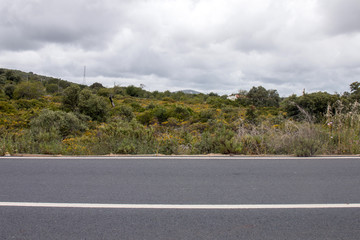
[{"x": 179, "y": 206}]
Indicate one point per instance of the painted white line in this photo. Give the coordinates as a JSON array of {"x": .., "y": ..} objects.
[{"x": 179, "y": 206}]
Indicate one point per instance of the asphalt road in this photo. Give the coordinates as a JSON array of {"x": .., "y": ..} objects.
[{"x": 210, "y": 181}]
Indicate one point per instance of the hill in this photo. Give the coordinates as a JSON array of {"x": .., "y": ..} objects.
[
  {"x": 189, "y": 91},
  {"x": 40, "y": 114}
]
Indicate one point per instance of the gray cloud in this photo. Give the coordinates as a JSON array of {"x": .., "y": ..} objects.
[
  {"x": 208, "y": 45},
  {"x": 35, "y": 23},
  {"x": 341, "y": 17}
]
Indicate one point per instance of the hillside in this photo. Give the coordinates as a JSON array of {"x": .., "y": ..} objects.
[
  {"x": 189, "y": 91},
  {"x": 40, "y": 114}
]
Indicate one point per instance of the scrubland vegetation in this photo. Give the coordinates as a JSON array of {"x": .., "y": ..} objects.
[{"x": 43, "y": 115}]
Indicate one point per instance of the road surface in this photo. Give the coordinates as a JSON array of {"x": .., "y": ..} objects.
[{"x": 179, "y": 198}]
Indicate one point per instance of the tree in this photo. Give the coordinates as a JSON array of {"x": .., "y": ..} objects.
[
  {"x": 70, "y": 100},
  {"x": 354, "y": 87},
  {"x": 273, "y": 98},
  {"x": 11, "y": 77},
  {"x": 134, "y": 91},
  {"x": 355, "y": 91},
  {"x": 96, "y": 85},
  {"x": 64, "y": 84},
  {"x": 260, "y": 97},
  {"x": 314, "y": 104}
]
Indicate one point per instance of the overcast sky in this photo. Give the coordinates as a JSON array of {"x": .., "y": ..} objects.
[{"x": 206, "y": 45}]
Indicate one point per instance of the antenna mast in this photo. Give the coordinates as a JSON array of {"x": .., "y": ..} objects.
[{"x": 84, "y": 79}]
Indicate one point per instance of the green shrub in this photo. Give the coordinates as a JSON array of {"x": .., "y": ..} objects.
[
  {"x": 29, "y": 90},
  {"x": 3, "y": 96},
  {"x": 93, "y": 106},
  {"x": 124, "y": 111},
  {"x": 118, "y": 90},
  {"x": 168, "y": 146},
  {"x": 181, "y": 113},
  {"x": 96, "y": 86},
  {"x": 12, "y": 77},
  {"x": 63, "y": 123},
  {"x": 222, "y": 141},
  {"x": 26, "y": 141},
  {"x": 227, "y": 142},
  {"x": 52, "y": 88},
  {"x": 251, "y": 115},
  {"x": 134, "y": 91},
  {"x": 137, "y": 107},
  {"x": 9, "y": 90},
  {"x": 123, "y": 137},
  {"x": 161, "y": 114},
  {"x": 29, "y": 104},
  {"x": 104, "y": 92},
  {"x": 150, "y": 106},
  {"x": 206, "y": 115},
  {"x": 6, "y": 107},
  {"x": 146, "y": 117},
  {"x": 206, "y": 144},
  {"x": 70, "y": 100},
  {"x": 168, "y": 99}
]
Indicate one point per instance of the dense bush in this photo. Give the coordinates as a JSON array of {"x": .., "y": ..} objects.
[
  {"x": 93, "y": 106},
  {"x": 81, "y": 121},
  {"x": 3, "y": 96},
  {"x": 314, "y": 104},
  {"x": 161, "y": 114},
  {"x": 123, "y": 111},
  {"x": 9, "y": 90},
  {"x": 62, "y": 123},
  {"x": 146, "y": 117},
  {"x": 96, "y": 85},
  {"x": 70, "y": 100},
  {"x": 29, "y": 104},
  {"x": 29, "y": 90},
  {"x": 6, "y": 107},
  {"x": 52, "y": 88},
  {"x": 222, "y": 141},
  {"x": 181, "y": 113},
  {"x": 135, "y": 91},
  {"x": 122, "y": 137},
  {"x": 11, "y": 76},
  {"x": 206, "y": 115},
  {"x": 104, "y": 92}
]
